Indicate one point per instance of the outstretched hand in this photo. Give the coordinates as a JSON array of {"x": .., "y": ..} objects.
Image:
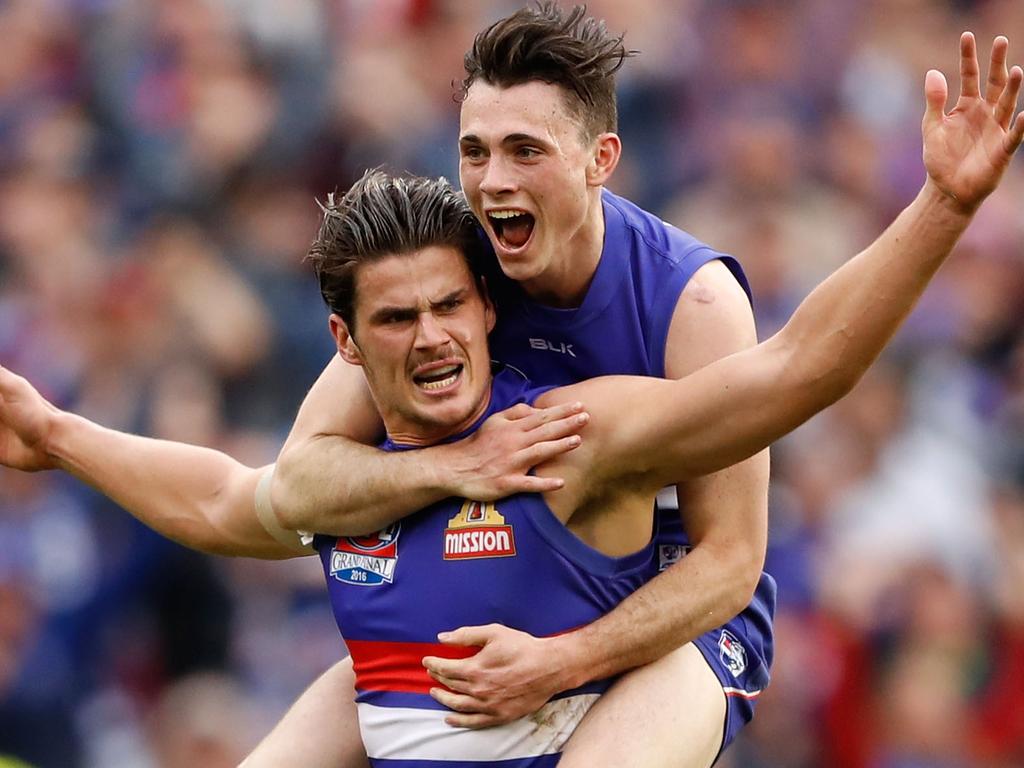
[
  {"x": 967, "y": 150},
  {"x": 26, "y": 420}
]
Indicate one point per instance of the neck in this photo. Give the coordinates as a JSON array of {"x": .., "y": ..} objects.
[{"x": 565, "y": 283}]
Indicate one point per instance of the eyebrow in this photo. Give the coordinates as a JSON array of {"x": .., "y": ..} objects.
[
  {"x": 407, "y": 312},
  {"x": 458, "y": 293},
  {"x": 385, "y": 313},
  {"x": 512, "y": 138}
]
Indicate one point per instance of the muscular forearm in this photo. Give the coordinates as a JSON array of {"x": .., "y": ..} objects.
[
  {"x": 702, "y": 591},
  {"x": 725, "y": 516},
  {"x": 330, "y": 484},
  {"x": 330, "y": 479},
  {"x": 841, "y": 327},
  {"x": 197, "y": 496}
]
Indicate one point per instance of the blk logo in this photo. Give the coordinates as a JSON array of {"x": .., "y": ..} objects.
[{"x": 552, "y": 346}]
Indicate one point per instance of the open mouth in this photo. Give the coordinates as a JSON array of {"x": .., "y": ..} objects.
[
  {"x": 438, "y": 378},
  {"x": 512, "y": 229}
]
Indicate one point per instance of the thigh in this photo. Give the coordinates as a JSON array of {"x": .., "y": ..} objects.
[
  {"x": 321, "y": 730},
  {"x": 669, "y": 713}
]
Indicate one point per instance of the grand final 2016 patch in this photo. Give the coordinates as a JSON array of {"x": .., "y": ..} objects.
[
  {"x": 367, "y": 560},
  {"x": 477, "y": 531}
]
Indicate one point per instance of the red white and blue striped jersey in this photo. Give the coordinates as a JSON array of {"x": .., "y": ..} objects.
[{"x": 460, "y": 563}]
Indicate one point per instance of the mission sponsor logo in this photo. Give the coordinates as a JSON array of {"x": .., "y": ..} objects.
[
  {"x": 479, "y": 530},
  {"x": 367, "y": 561}
]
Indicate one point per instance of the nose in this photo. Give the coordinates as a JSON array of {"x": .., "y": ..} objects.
[
  {"x": 498, "y": 177},
  {"x": 429, "y": 332}
]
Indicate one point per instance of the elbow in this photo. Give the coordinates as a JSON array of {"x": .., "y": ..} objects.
[
  {"x": 743, "y": 567},
  {"x": 205, "y": 534},
  {"x": 284, "y": 494},
  {"x": 748, "y": 579},
  {"x": 816, "y": 377},
  {"x": 745, "y": 581},
  {"x": 303, "y": 499},
  {"x": 221, "y": 529}
]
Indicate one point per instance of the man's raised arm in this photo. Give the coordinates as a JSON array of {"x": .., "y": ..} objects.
[
  {"x": 734, "y": 407},
  {"x": 328, "y": 479}
]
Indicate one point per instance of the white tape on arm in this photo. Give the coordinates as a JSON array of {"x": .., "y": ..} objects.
[{"x": 296, "y": 540}]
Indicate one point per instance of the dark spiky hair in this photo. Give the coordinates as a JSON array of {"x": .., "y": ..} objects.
[
  {"x": 384, "y": 215},
  {"x": 574, "y": 52}
]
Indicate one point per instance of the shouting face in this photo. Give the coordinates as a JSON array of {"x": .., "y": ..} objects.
[
  {"x": 533, "y": 180},
  {"x": 420, "y": 332}
]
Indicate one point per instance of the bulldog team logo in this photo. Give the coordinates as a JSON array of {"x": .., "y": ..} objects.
[
  {"x": 479, "y": 530},
  {"x": 367, "y": 560},
  {"x": 670, "y": 554},
  {"x": 732, "y": 653}
]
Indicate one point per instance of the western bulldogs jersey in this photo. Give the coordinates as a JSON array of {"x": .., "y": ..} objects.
[
  {"x": 456, "y": 563},
  {"x": 621, "y": 327}
]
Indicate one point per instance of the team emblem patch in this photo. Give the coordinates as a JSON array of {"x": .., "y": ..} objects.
[
  {"x": 367, "y": 560},
  {"x": 479, "y": 530},
  {"x": 732, "y": 653},
  {"x": 669, "y": 554}
]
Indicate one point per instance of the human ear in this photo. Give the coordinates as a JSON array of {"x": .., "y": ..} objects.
[
  {"x": 605, "y": 158},
  {"x": 344, "y": 340},
  {"x": 490, "y": 316}
]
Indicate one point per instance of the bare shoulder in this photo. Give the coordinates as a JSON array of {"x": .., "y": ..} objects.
[{"x": 713, "y": 318}]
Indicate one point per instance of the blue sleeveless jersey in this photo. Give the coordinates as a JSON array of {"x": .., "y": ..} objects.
[
  {"x": 621, "y": 327},
  {"x": 459, "y": 563}
]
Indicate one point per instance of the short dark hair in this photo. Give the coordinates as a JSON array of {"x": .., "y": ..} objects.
[
  {"x": 384, "y": 215},
  {"x": 575, "y": 52}
]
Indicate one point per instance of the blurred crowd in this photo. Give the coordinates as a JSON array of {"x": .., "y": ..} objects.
[{"x": 159, "y": 166}]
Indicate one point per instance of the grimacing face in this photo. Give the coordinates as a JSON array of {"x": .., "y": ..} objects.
[
  {"x": 421, "y": 328},
  {"x": 531, "y": 178}
]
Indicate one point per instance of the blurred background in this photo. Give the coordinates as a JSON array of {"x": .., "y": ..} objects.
[{"x": 159, "y": 162}]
